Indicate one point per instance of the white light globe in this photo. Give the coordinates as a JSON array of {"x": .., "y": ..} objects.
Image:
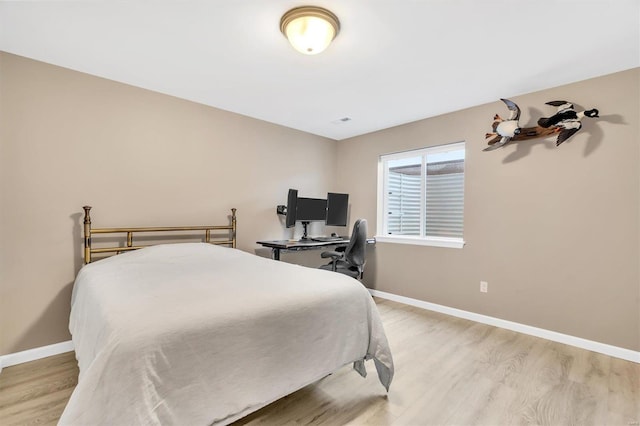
[
  {"x": 310, "y": 29},
  {"x": 310, "y": 35}
]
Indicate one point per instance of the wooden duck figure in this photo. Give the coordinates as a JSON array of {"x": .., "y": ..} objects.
[
  {"x": 504, "y": 130},
  {"x": 567, "y": 120}
]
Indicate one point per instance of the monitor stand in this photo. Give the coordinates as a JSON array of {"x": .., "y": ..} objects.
[{"x": 305, "y": 237}]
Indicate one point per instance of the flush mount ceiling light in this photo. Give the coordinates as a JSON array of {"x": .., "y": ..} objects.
[{"x": 309, "y": 29}]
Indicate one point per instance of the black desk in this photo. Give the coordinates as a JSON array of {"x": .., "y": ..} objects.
[{"x": 277, "y": 245}]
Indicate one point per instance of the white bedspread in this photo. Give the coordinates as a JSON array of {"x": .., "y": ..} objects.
[{"x": 198, "y": 334}]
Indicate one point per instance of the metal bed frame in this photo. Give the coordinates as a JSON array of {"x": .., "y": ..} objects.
[{"x": 88, "y": 232}]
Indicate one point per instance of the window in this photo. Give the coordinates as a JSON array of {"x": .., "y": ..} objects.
[{"x": 421, "y": 196}]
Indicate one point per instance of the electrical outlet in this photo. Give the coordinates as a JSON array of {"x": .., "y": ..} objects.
[{"x": 484, "y": 286}]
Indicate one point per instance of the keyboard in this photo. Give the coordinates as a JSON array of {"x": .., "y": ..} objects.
[{"x": 326, "y": 239}]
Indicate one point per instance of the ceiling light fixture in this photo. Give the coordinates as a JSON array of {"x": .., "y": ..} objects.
[{"x": 310, "y": 29}]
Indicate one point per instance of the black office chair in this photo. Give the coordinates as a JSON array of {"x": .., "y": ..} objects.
[{"x": 350, "y": 261}]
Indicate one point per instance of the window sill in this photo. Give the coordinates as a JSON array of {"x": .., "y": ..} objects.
[{"x": 430, "y": 241}]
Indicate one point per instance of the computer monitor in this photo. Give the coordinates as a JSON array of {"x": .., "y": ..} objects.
[
  {"x": 311, "y": 210},
  {"x": 337, "y": 209},
  {"x": 292, "y": 206}
]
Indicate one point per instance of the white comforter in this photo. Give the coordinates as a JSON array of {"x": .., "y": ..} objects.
[{"x": 199, "y": 334}]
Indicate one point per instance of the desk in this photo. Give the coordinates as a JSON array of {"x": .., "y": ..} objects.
[{"x": 277, "y": 245}]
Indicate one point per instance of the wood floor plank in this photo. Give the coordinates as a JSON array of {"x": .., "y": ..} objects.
[
  {"x": 27, "y": 371},
  {"x": 43, "y": 409},
  {"x": 623, "y": 404},
  {"x": 449, "y": 371},
  {"x": 36, "y": 392},
  {"x": 44, "y": 386}
]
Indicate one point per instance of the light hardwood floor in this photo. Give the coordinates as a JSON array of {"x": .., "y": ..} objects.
[{"x": 449, "y": 371}]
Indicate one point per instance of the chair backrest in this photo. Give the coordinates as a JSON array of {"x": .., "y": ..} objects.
[{"x": 355, "y": 251}]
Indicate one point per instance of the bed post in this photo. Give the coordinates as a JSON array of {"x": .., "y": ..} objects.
[
  {"x": 233, "y": 227},
  {"x": 87, "y": 235}
]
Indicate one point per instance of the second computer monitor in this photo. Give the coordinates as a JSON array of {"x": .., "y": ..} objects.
[
  {"x": 337, "y": 209},
  {"x": 311, "y": 209}
]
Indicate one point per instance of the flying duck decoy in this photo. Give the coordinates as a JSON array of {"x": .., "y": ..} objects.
[
  {"x": 566, "y": 119},
  {"x": 504, "y": 130}
]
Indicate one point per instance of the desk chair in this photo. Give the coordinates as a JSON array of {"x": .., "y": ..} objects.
[{"x": 351, "y": 260}]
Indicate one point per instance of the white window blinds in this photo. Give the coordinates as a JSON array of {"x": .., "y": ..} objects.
[
  {"x": 404, "y": 204},
  {"x": 423, "y": 193},
  {"x": 445, "y": 199}
]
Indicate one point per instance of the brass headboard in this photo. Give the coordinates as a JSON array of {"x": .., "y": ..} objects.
[{"x": 88, "y": 231}]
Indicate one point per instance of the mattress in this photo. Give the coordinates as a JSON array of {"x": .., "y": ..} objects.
[{"x": 201, "y": 334}]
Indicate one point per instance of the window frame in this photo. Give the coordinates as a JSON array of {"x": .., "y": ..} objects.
[{"x": 381, "y": 231}]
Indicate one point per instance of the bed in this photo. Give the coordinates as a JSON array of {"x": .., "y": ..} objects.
[{"x": 196, "y": 333}]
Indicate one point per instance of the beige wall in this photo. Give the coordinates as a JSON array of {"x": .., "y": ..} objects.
[
  {"x": 139, "y": 158},
  {"x": 554, "y": 230}
]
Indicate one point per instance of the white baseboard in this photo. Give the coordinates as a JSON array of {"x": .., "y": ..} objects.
[
  {"x": 579, "y": 342},
  {"x": 34, "y": 354}
]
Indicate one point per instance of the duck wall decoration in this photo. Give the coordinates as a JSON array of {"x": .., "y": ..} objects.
[
  {"x": 504, "y": 130},
  {"x": 564, "y": 123},
  {"x": 566, "y": 120}
]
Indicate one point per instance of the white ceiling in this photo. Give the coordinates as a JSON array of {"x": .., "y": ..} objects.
[{"x": 394, "y": 61}]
